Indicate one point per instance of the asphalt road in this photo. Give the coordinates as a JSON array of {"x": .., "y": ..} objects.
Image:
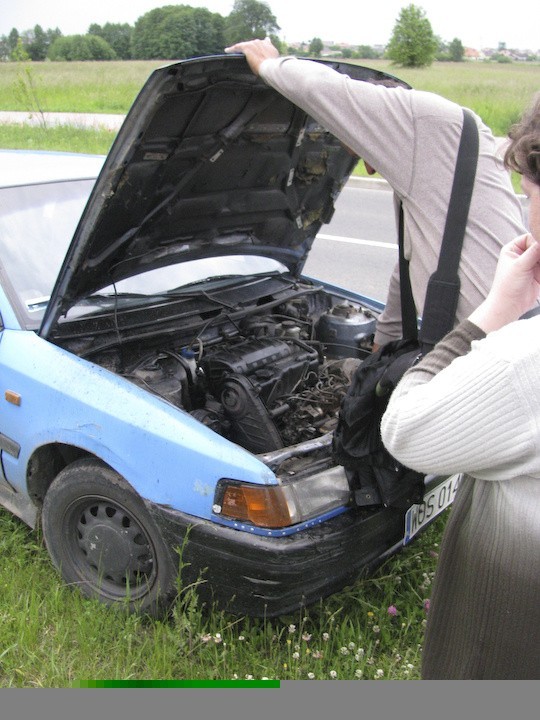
[{"x": 358, "y": 249}]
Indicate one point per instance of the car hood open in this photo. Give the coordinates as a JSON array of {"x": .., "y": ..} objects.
[{"x": 210, "y": 161}]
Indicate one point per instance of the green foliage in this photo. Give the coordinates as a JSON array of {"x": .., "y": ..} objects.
[
  {"x": 209, "y": 32},
  {"x": 500, "y": 58},
  {"x": 19, "y": 53},
  {"x": 249, "y": 19},
  {"x": 66, "y": 138},
  {"x": 413, "y": 43},
  {"x": 497, "y": 92},
  {"x": 456, "y": 50},
  {"x": 81, "y": 47},
  {"x": 26, "y": 90},
  {"x": 316, "y": 47},
  {"x": 13, "y": 39},
  {"x": 366, "y": 52},
  {"x": 177, "y": 32},
  {"x": 53, "y": 637},
  {"x": 35, "y": 44},
  {"x": 117, "y": 35},
  {"x": 452, "y": 52}
]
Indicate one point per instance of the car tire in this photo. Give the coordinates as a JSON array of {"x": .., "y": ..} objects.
[{"x": 101, "y": 538}]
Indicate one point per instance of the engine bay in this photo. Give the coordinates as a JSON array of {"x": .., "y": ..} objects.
[{"x": 266, "y": 365}]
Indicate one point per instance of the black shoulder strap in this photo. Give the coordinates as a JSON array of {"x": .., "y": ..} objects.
[
  {"x": 409, "y": 323},
  {"x": 443, "y": 288}
]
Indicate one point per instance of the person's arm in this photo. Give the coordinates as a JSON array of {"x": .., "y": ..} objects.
[
  {"x": 463, "y": 408},
  {"x": 367, "y": 117},
  {"x": 389, "y": 323}
]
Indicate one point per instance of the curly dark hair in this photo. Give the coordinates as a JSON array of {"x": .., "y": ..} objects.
[{"x": 523, "y": 151}]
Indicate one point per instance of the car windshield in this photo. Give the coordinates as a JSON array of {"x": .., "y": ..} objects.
[
  {"x": 37, "y": 223},
  {"x": 193, "y": 276}
]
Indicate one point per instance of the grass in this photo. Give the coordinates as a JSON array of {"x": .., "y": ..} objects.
[
  {"x": 497, "y": 92},
  {"x": 93, "y": 87},
  {"x": 53, "y": 637},
  {"x": 62, "y": 137}
]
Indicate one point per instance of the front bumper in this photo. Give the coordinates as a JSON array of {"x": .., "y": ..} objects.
[{"x": 268, "y": 576}]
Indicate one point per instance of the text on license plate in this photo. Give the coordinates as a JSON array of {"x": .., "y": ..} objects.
[{"x": 435, "y": 501}]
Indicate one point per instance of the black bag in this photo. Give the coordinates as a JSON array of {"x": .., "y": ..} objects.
[{"x": 375, "y": 475}]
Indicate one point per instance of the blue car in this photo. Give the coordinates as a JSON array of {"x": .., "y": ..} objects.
[{"x": 171, "y": 381}]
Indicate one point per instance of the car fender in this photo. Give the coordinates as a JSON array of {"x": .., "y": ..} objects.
[{"x": 166, "y": 455}]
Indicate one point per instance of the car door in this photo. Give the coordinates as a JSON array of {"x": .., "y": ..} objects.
[{"x": 7, "y": 444}]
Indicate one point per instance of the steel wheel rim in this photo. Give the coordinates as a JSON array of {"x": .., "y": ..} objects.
[{"x": 109, "y": 548}]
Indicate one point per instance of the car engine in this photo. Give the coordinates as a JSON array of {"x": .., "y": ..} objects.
[
  {"x": 267, "y": 373},
  {"x": 276, "y": 384}
]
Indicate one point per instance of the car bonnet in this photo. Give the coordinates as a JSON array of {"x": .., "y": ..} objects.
[{"x": 210, "y": 161}]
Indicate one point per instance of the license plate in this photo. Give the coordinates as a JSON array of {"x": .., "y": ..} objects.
[{"x": 435, "y": 501}]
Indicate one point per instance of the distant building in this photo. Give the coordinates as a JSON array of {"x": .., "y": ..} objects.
[{"x": 473, "y": 54}]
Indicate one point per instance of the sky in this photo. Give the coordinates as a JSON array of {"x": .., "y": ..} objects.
[{"x": 359, "y": 22}]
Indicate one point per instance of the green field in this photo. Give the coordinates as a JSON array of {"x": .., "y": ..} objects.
[{"x": 497, "y": 92}]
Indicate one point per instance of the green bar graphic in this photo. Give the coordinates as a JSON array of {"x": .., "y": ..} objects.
[{"x": 175, "y": 684}]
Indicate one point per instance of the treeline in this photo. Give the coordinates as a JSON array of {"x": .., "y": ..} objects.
[
  {"x": 169, "y": 32},
  {"x": 181, "y": 31}
]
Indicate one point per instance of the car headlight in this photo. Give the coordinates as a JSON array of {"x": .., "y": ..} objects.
[{"x": 277, "y": 506}]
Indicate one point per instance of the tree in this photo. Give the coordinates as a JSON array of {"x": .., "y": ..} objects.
[
  {"x": 177, "y": 31},
  {"x": 413, "y": 43},
  {"x": 366, "y": 52},
  {"x": 118, "y": 35},
  {"x": 4, "y": 49},
  {"x": 209, "y": 32},
  {"x": 81, "y": 47},
  {"x": 165, "y": 33},
  {"x": 316, "y": 47},
  {"x": 19, "y": 53},
  {"x": 37, "y": 44},
  {"x": 456, "y": 50},
  {"x": 12, "y": 40},
  {"x": 250, "y": 19}
]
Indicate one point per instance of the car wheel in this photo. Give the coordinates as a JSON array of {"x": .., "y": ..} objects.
[{"x": 102, "y": 539}]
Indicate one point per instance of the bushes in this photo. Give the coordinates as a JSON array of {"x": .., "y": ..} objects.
[{"x": 81, "y": 47}]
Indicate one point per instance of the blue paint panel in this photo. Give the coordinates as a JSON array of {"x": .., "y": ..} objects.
[{"x": 166, "y": 455}]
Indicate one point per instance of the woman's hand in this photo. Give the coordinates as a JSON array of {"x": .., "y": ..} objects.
[
  {"x": 516, "y": 285},
  {"x": 256, "y": 51}
]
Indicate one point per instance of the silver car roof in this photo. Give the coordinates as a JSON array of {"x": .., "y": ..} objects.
[{"x": 31, "y": 167}]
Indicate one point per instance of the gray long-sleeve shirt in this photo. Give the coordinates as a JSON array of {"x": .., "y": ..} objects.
[{"x": 411, "y": 138}]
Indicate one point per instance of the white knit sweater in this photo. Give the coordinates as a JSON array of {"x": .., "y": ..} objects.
[
  {"x": 475, "y": 408},
  {"x": 479, "y": 415}
]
